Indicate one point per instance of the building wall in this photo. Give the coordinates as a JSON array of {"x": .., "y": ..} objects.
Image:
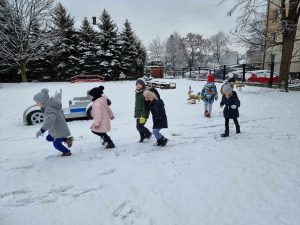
[{"x": 275, "y": 49}]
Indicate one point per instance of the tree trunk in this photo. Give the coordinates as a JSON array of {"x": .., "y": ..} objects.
[
  {"x": 287, "y": 54},
  {"x": 23, "y": 67}
]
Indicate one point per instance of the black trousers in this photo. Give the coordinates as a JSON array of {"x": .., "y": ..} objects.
[
  {"x": 236, "y": 122},
  {"x": 104, "y": 136},
  {"x": 142, "y": 129}
]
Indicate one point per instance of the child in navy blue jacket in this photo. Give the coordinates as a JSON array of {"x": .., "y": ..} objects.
[
  {"x": 231, "y": 111},
  {"x": 157, "y": 108}
]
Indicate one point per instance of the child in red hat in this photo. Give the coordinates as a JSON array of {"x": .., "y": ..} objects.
[{"x": 209, "y": 93}]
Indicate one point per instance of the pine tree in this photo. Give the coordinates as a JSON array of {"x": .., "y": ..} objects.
[
  {"x": 109, "y": 49},
  {"x": 88, "y": 49},
  {"x": 65, "y": 49},
  {"x": 141, "y": 58},
  {"x": 129, "y": 53}
]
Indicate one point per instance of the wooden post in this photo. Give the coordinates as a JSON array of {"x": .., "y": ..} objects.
[
  {"x": 272, "y": 73},
  {"x": 244, "y": 72}
]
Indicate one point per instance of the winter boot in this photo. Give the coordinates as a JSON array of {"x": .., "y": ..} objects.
[
  {"x": 226, "y": 134},
  {"x": 163, "y": 141},
  {"x": 69, "y": 141},
  {"x": 110, "y": 145},
  {"x": 238, "y": 130},
  {"x": 148, "y": 135},
  {"x": 206, "y": 113},
  {"x": 142, "y": 138},
  {"x": 68, "y": 153}
]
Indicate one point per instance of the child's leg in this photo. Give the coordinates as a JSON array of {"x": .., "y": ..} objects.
[
  {"x": 49, "y": 138},
  {"x": 226, "y": 133},
  {"x": 209, "y": 108},
  {"x": 157, "y": 135},
  {"x": 205, "y": 106},
  {"x": 57, "y": 143},
  {"x": 144, "y": 132},
  {"x": 237, "y": 125}
]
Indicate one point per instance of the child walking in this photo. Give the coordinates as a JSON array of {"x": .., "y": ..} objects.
[
  {"x": 209, "y": 93},
  {"x": 54, "y": 122},
  {"x": 156, "y": 106},
  {"x": 140, "y": 112},
  {"x": 102, "y": 115},
  {"x": 231, "y": 111}
]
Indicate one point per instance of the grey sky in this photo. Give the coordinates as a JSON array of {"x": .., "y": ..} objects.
[{"x": 159, "y": 17}]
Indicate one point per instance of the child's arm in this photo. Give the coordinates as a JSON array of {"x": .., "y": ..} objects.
[
  {"x": 50, "y": 117},
  {"x": 237, "y": 101},
  {"x": 110, "y": 113},
  {"x": 222, "y": 101},
  {"x": 97, "y": 114},
  {"x": 216, "y": 93}
]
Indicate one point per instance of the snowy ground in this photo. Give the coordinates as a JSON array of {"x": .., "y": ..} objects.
[{"x": 198, "y": 179}]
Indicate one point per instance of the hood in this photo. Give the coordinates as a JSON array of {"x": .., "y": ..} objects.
[
  {"x": 102, "y": 100},
  {"x": 52, "y": 103}
]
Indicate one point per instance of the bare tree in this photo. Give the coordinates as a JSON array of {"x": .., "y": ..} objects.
[
  {"x": 156, "y": 50},
  {"x": 288, "y": 18},
  {"x": 24, "y": 30},
  {"x": 252, "y": 34},
  {"x": 174, "y": 52},
  {"x": 195, "y": 48},
  {"x": 219, "y": 44}
]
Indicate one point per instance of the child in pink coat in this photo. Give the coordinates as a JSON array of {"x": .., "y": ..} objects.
[{"x": 102, "y": 115}]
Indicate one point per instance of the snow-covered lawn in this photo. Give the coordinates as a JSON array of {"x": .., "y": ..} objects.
[{"x": 198, "y": 179}]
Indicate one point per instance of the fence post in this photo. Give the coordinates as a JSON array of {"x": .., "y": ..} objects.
[
  {"x": 272, "y": 73},
  {"x": 224, "y": 72},
  {"x": 190, "y": 72},
  {"x": 244, "y": 72}
]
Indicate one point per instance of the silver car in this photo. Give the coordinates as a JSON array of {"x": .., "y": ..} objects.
[{"x": 79, "y": 108}]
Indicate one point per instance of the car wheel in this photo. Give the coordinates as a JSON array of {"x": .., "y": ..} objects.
[
  {"x": 89, "y": 113},
  {"x": 35, "y": 117}
]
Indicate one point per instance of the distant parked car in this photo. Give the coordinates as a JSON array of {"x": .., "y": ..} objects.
[{"x": 79, "y": 107}]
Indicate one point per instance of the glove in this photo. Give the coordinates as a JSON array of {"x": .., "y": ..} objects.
[
  {"x": 216, "y": 98},
  {"x": 221, "y": 106},
  {"x": 39, "y": 133},
  {"x": 112, "y": 118},
  {"x": 233, "y": 106},
  {"x": 142, "y": 120}
]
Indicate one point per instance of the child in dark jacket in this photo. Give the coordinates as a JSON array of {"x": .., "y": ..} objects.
[
  {"x": 231, "y": 111},
  {"x": 140, "y": 113},
  {"x": 156, "y": 106}
]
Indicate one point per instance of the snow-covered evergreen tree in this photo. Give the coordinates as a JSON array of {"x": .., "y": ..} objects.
[
  {"x": 129, "y": 53},
  {"x": 109, "y": 50},
  {"x": 141, "y": 58},
  {"x": 65, "y": 49},
  {"x": 89, "y": 62}
]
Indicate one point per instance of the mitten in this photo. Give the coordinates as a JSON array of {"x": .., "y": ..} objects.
[
  {"x": 233, "y": 106},
  {"x": 39, "y": 133},
  {"x": 142, "y": 120}
]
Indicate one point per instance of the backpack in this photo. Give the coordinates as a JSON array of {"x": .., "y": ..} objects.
[{"x": 210, "y": 91}]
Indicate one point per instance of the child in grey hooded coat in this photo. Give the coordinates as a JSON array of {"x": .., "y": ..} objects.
[{"x": 54, "y": 122}]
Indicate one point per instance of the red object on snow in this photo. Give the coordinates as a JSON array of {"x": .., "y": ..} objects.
[
  {"x": 256, "y": 77},
  {"x": 87, "y": 78}
]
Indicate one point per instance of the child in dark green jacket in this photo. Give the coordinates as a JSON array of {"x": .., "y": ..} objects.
[{"x": 140, "y": 112}]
